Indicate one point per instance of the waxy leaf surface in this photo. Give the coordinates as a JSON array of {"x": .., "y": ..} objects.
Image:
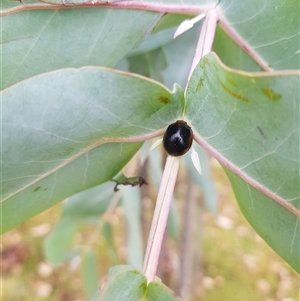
[
  {"x": 251, "y": 127},
  {"x": 250, "y": 123},
  {"x": 37, "y": 41},
  {"x": 126, "y": 283},
  {"x": 269, "y": 29},
  {"x": 64, "y": 131}
]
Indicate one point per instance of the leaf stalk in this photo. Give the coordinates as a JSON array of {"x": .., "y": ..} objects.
[
  {"x": 160, "y": 218},
  {"x": 206, "y": 39}
]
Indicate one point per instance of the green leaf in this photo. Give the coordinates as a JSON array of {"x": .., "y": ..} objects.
[
  {"x": 107, "y": 232},
  {"x": 89, "y": 273},
  {"x": 165, "y": 59},
  {"x": 180, "y": 53},
  {"x": 64, "y": 132},
  {"x": 231, "y": 54},
  {"x": 153, "y": 41},
  {"x": 169, "y": 21},
  {"x": 279, "y": 227},
  {"x": 96, "y": 296},
  {"x": 268, "y": 28},
  {"x": 149, "y": 64},
  {"x": 158, "y": 292},
  {"x": 143, "y": 2},
  {"x": 81, "y": 208},
  {"x": 37, "y": 41},
  {"x": 89, "y": 204},
  {"x": 119, "y": 269},
  {"x": 128, "y": 284},
  {"x": 250, "y": 123},
  {"x": 58, "y": 244},
  {"x": 131, "y": 200}
]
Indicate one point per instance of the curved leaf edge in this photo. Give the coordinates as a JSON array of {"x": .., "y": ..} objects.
[
  {"x": 285, "y": 240},
  {"x": 132, "y": 139},
  {"x": 150, "y": 288},
  {"x": 176, "y": 87},
  {"x": 218, "y": 156},
  {"x": 148, "y": 6}
]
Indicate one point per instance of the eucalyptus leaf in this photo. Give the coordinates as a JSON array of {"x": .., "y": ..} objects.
[
  {"x": 143, "y": 2},
  {"x": 72, "y": 129},
  {"x": 119, "y": 269},
  {"x": 89, "y": 273},
  {"x": 80, "y": 209},
  {"x": 158, "y": 292},
  {"x": 149, "y": 64},
  {"x": 179, "y": 54},
  {"x": 96, "y": 296},
  {"x": 279, "y": 227},
  {"x": 89, "y": 204},
  {"x": 231, "y": 54},
  {"x": 37, "y": 41},
  {"x": 169, "y": 21},
  {"x": 250, "y": 123},
  {"x": 165, "y": 59},
  {"x": 64, "y": 132},
  {"x": 107, "y": 232},
  {"x": 128, "y": 284},
  {"x": 269, "y": 29},
  {"x": 57, "y": 246},
  {"x": 131, "y": 200}
]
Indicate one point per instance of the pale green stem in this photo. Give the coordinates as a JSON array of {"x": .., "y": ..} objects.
[
  {"x": 159, "y": 221},
  {"x": 206, "y": 39},
  {"x": 168, "y": 181}
]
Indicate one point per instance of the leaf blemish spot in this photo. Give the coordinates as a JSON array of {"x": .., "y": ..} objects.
[
  {"x": 231, "y": 82},
  {"x": 36, "y": 188},
  {"x": 261, "y": 131},
  {"x": 236, "y": 95},
  {"x": 271, "y": 95},
  {"x": 164, "y": 100},
  {"x": 205, "y": 61},
  {"x": 200, "y": 84}
]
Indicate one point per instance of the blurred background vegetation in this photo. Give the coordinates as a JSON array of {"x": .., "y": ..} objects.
[{"x": 205, "y": 256}]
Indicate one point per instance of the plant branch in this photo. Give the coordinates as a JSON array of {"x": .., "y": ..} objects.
[
  {"x": 160, "y": 217},
  {"x": 205, "y": 41},
  {"x": 186, "y": 256},
  {"x": 156, "y": 7}
]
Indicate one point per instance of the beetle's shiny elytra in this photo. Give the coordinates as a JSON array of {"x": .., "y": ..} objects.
[{"x": 178, "y": 138}]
